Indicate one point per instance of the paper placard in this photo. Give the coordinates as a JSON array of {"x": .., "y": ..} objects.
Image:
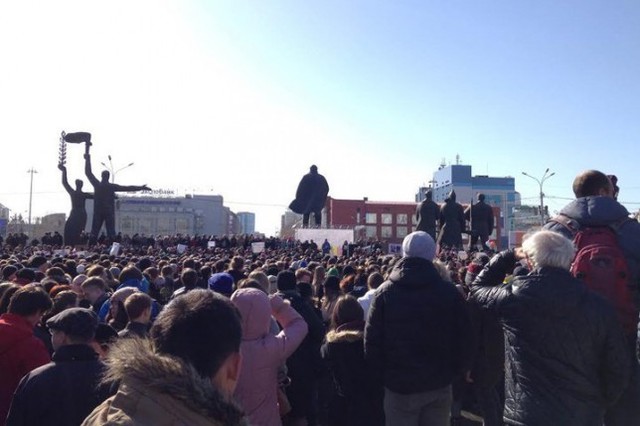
[
  {"x": 257, "y": 247},
  {"x": 115, "y": 248},
  {"x": 181, "y": 248},
  {"x": 211, "y": 244}
]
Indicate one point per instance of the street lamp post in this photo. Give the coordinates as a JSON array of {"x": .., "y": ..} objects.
[
  {"x": 112, "y": 170},
  {"x": 545, "y": 176},
  {"x": 31, "y": 171}
]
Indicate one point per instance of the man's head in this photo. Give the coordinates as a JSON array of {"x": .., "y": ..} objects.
[
  {"x": 30, "y": 302},
  {"x": 38, "y": 263},
  {"x": 73, "y": 326},
  {"x": 93, "y": 288},
  {"x": 203, "y": 329},
  {"x": 313, "y": 169},
  {"x": 105, "y": 176},
  {"x": 481, "y": 197},
  {"x": 221, "y": 283},
  {"x": 419, "y": 244},
  {"x": 138, "y": 307},
  {"x": 549, "y": 249},
  {"x": 429, "y": 194},
  {"x": 189, "y": 278},
  {"x": 591, "y": 183},
  {"x": 303, "y": 275},
  {"x": 79, "y": 185}
]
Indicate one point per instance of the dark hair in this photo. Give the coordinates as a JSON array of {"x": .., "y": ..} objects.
[
  {"x": 331, "y": 285},
  {"x": 286, "y": 280},
  {"x": 200, "y": 327},
  {"x": 590, "y": 183},
  {"x": 136, "y": 304},
  {"x": 29, "y": 300},
  {"x": 95, "y": 271},
  {"x": 189, "y": 278},
  {"x": 6, "y": 297},
  {"x": 347, "y": 309},
  {"x": 130, "y": 272},
  {"x": 64, "y": 299},
  {"x": 374, "y": 280},
  {"x": 26, "y": 274},
  {"x": 96, "y": 282}
]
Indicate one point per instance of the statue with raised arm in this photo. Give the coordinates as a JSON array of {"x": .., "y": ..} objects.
[
  {"x": 77, "y": 219},
  {"x": 104, "y": 205}
]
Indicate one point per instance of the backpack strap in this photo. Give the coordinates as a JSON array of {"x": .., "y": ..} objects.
[{"x": 572, "y": 225}]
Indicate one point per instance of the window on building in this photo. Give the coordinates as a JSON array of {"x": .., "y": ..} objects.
[
  {"x": 401, "y": 231},
  {"x": 401, "y": 218},
  {"x": 371, "y": 218},
  {"x": 372, "y": 231},
  {"x": 386, "y": 232},
  {"x": 386, "y": 218}
]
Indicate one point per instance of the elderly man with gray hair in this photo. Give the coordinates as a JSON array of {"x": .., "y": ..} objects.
[{"x": 566, "y": 358}]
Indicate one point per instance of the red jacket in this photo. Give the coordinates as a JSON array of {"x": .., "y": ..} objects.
[{"x": 20, "y": 352}]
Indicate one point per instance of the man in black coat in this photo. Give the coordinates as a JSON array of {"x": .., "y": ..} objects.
[
  {"x": 418, "y": 337},
  {"x": 451, "y": 223},
  {"x": 311, "y": 196},
  {"x": 427, "y": 214},
  {"x": 480, "y": 217},
  {"x": 566, "y": 357},
  {"x": 66, "y": 390}
]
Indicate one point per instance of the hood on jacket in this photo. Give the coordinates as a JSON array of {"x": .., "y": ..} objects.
[
  {"x": 13, "y": 329},
  {"x": 414, "y": 271},
  {"x": 595, "y": 210},
  {"x": 134, "y": 359},
  {"x": 255, "y": 310},
  {"x": 345, "y": 336}
]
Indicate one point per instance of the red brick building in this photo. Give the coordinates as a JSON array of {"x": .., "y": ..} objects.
[{"x": 385, "y": 221}]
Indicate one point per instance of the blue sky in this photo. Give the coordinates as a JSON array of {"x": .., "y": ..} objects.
[{"x": 239, "y": 98}]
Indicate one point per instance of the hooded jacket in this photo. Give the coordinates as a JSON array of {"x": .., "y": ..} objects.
[
  {"x": 565, "y": 351},
  {"x": 418, "y": 336},
  {"x": 603, "y": 211},
  {"x": 20, "y": 352},
  {"x": 160, "y": 390},
  {"x": 263, "y": 353}
]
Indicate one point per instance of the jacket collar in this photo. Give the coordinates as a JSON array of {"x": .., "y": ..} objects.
[
  {"x": 74, "y": 353},
  {"x": 414, "y": 271},
  {"x": 135, "y": 361}
]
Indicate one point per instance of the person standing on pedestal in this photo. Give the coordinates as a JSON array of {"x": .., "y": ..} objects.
[
  {"x": 427, "y": 214},
  {"x": 451, "y": 223},
  {"x": 480, "y": 217}
]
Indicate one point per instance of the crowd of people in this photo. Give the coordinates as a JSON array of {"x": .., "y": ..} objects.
[{"x": 295, "y": 335}]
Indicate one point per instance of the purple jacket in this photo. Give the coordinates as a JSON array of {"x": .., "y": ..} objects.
[{"x": 263, "y": 353}]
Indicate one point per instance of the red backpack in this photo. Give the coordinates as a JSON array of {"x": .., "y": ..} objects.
[{"x": 601, "y": 265}]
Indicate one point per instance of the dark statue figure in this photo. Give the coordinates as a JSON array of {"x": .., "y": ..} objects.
[
  {"x": 480, "y": 216},
  {"x": 451, "y": 223},
  {"x": 78, "y": 216},
  {"x": 427, "y": 214},
  {"x": 104, "y": 206},
  {"x": 311, "y": 197}
]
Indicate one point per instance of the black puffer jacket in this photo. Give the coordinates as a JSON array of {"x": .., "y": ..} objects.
[
  {"x": 359, "y": 398},
  {"x": 565, "y": 351},
  {"x": 418, "y": 335}
]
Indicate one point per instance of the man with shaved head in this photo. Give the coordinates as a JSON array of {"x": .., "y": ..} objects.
[{"x": 595, "y": 206}]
